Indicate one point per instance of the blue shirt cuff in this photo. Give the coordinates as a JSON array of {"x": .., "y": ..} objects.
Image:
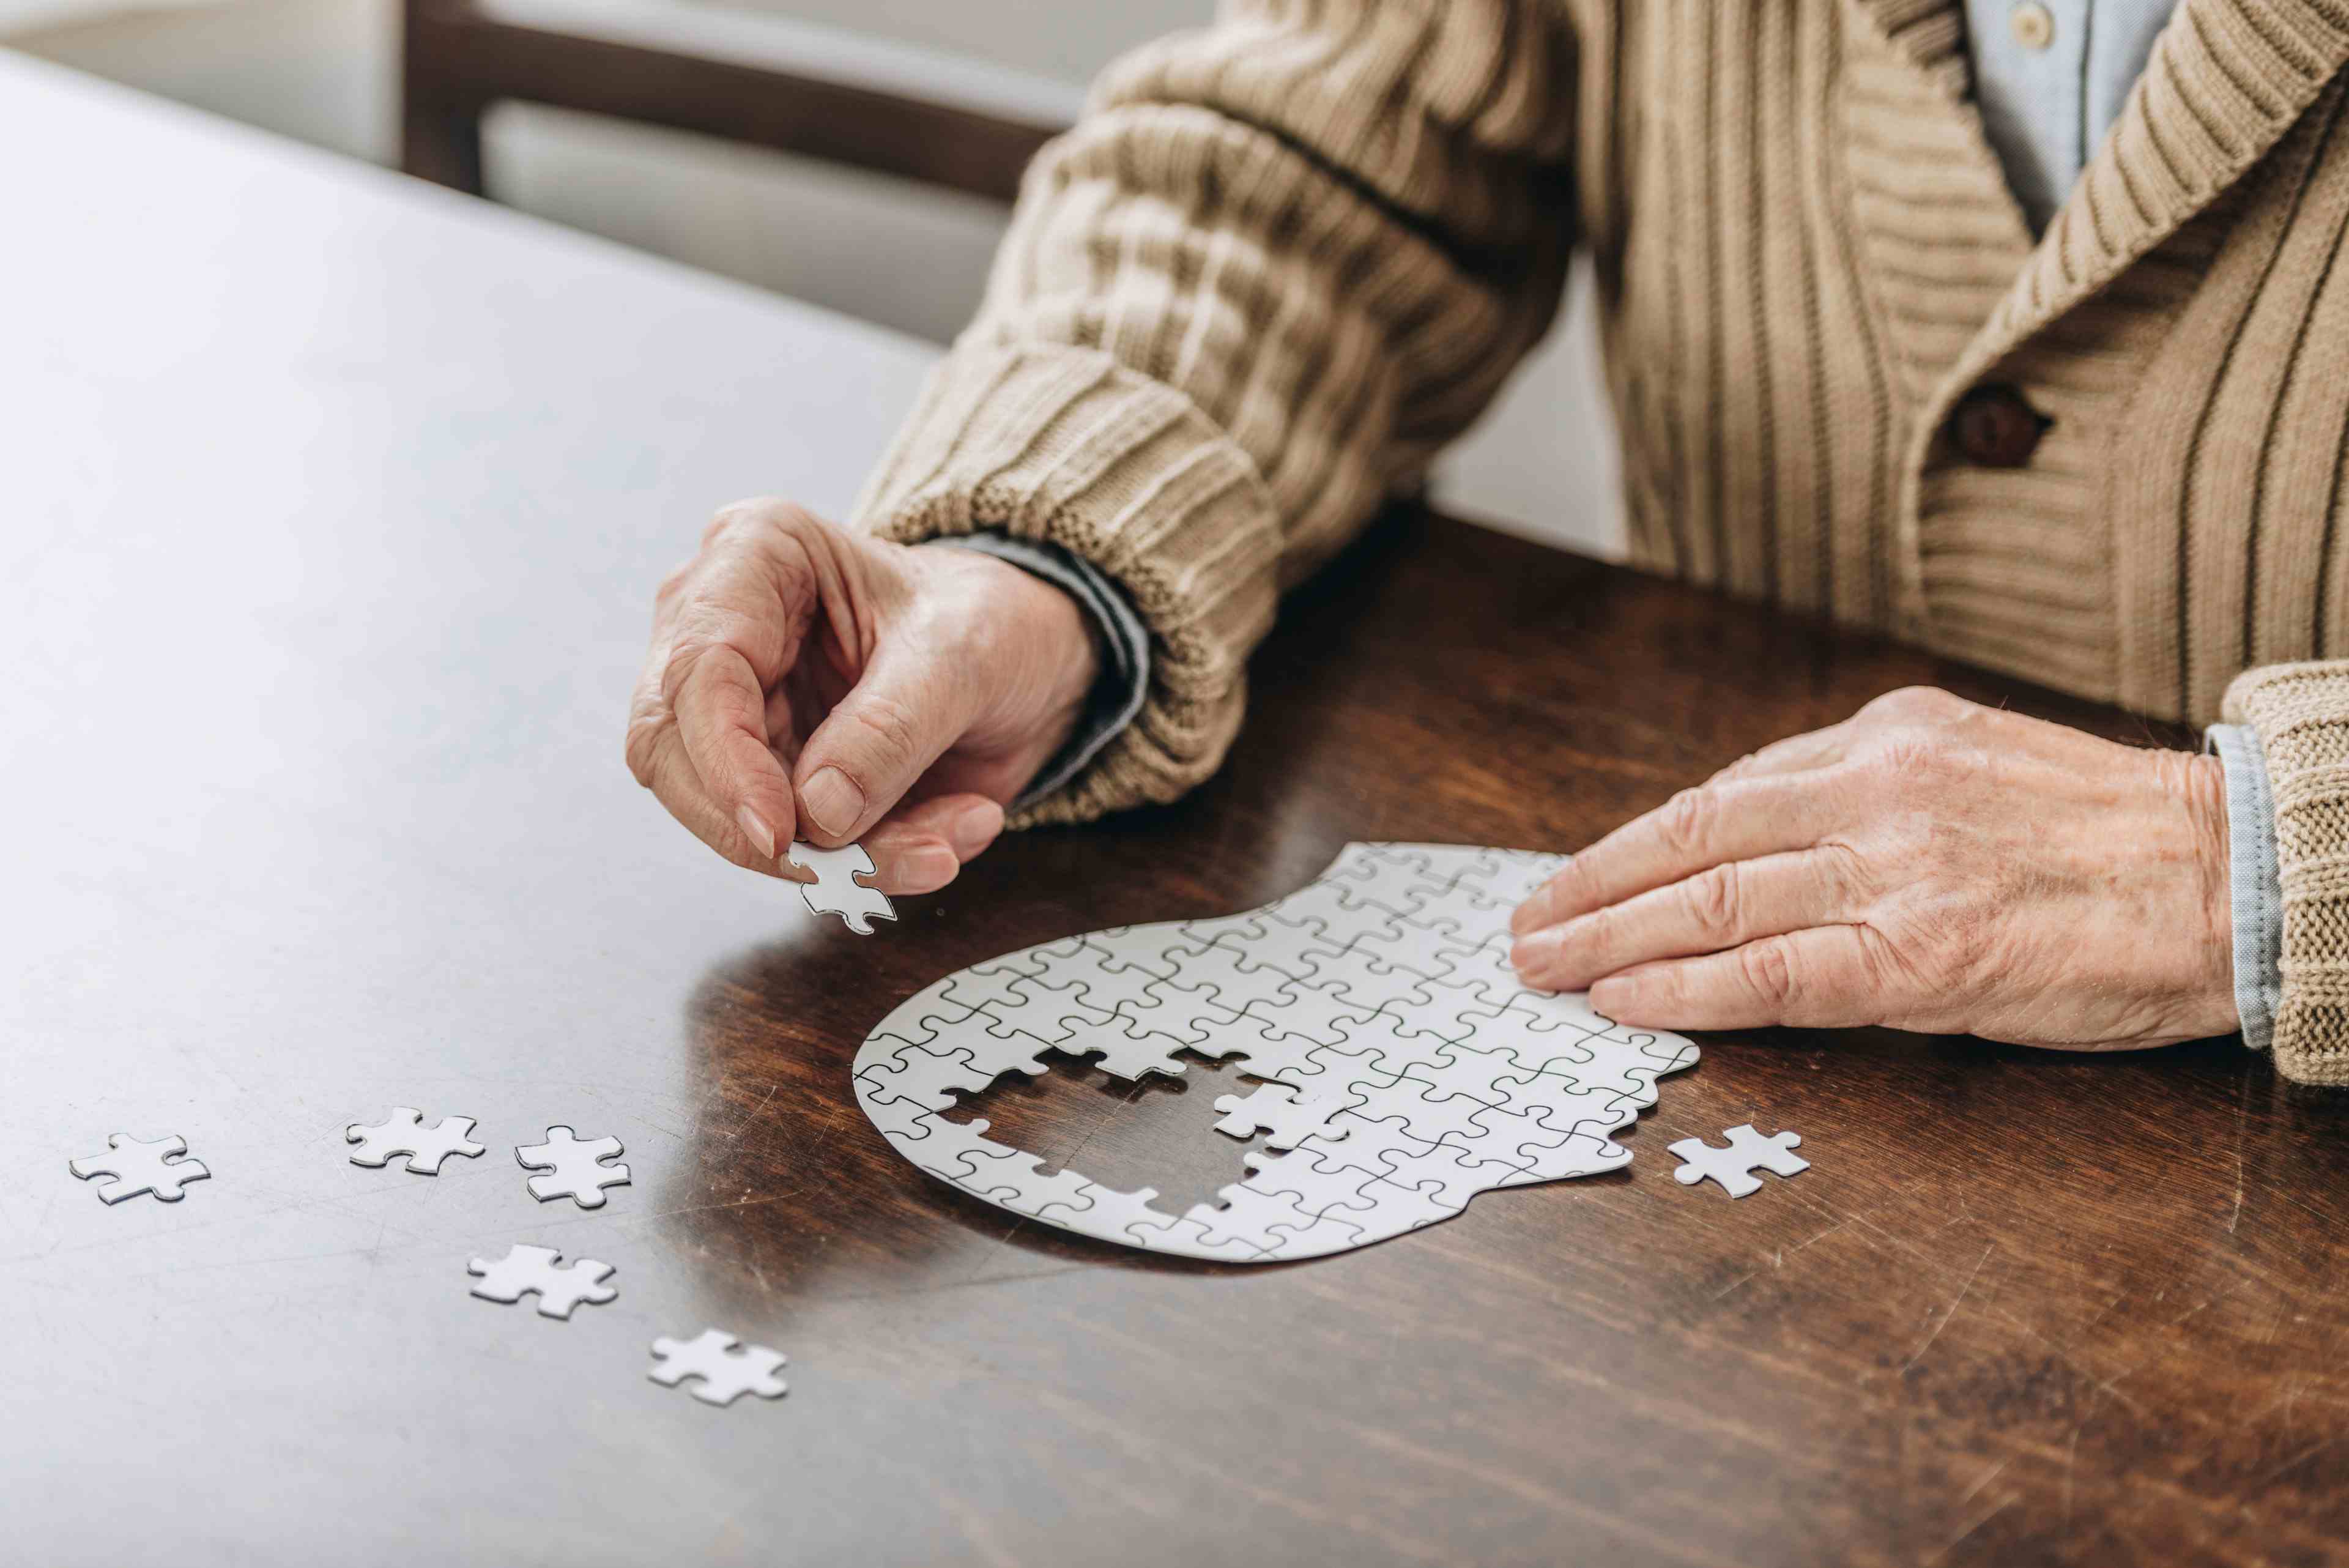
[
  {"x": 1119, "y": 632},
  {"x": 2254, "y": 880}
]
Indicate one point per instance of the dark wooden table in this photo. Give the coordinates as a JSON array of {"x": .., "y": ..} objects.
[{"x": 331, "y": 514}]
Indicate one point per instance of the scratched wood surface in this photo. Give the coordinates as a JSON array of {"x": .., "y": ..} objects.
[{"x": 341, "y": 511}]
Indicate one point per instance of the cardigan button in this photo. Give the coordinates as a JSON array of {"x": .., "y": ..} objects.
[{"x": 1992, "y": 427}]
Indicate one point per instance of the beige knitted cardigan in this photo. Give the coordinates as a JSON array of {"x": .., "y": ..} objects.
[{"x": 1284, "y": 260}]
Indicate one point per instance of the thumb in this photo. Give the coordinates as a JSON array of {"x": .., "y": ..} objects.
[{"x": 908, "y": 708}]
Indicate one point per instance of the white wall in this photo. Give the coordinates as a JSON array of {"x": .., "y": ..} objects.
[{"x": 1542, "y": 464}]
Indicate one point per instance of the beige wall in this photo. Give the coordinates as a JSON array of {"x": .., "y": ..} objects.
[{"x": 323, "y": 70}]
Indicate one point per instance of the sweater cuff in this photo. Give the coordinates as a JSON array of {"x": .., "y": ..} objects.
[
  {"x": 1067, "y": 447},
  {"x": 2300, "y": 715},
  {"x": 1124, "y": 643},
  {"x": 2253, "y": 881}
]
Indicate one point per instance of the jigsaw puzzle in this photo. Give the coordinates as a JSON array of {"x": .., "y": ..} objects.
[
  {"x": 559, "y": 1286},
  {"x": 1733, "y": 1166},
  {"x": 140, "y": 1165},
  {"x": 404, "y": 1132},
  {"x": 1399, "y": 1065},
  {"x": 573, "y": 1167},
  {"x": 837, "y": 890},
  {"x": 726, "y": 1367}
]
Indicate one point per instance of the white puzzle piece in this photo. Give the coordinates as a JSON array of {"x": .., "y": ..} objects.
[
  {"x": 559, "y": 1286},
  {"x": 1400, "y": 1069},
  {"x": 837, "y": 890},
  {"x": 573, "y": 1166},
  {"x": 404, "y": 1132},
  {"x": 1733, "y": 1166},
  {"x": 140, "y": 1165},
  {"x": 725, "y": 1367}
]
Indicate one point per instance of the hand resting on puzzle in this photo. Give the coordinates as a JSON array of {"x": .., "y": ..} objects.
[
  {"x": 807, "y": 681},
  {"x": 1929, "y": 864}
]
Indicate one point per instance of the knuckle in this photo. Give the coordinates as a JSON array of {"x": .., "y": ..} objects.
[
  {"x": 761, "y": 516},
  {"x": 1767, "y": 968},
  {"x": 684, "y": 655},
  {"x": 1736, "y": 770},
  {"x": 889, "y": 733},
  {"x": 674, "y": 581},
  {"x": 1881, "y": 963},
  {"x": 1914, "y": 705},
  {"x": 646, "y": 726},
  {"x": 1713, "y": 898},
  {"x": 1913, "y": 761},
  {"x": 1683, "y": 821},
  {"x": 1850, "y": 879}
]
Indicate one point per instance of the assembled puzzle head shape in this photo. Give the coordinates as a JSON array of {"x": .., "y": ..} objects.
[{"x": 1402, "y": 1068}]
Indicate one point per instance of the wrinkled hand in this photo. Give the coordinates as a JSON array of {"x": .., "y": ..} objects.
[
  {"x": 1929, "y": 864},
  {"x": 807, "y": 681}
]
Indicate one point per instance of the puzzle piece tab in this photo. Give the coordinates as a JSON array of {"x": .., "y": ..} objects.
[
  {"x": 726, "y": 1367},
  {"x": 140, "y": 1165},
  {"x": 404, "y": 1132},
  {"x": 573, "y": 1167},
  {"x": 1288, "y": 1115},
  {"x": 1733, "y": 1166},
  {"x": 837, "y": 890},
  {"x": 526, "y": 1271}
]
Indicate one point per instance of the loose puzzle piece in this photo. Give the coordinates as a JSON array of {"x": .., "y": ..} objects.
[
  {"x": 405, "y": 1133},
  {"x": 1733, "y": 1166},
  {"x": 1398, "y": 1061},
  {"x": 141, "y": 1165},
  {"x": 525, "y": 1270},
  {"x": 727, "y": 1368},
  {"x": 837, "y": 890},
  {"x": 574, "y": 1167}
]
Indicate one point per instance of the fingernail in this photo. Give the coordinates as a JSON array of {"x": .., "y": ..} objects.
[
  {"x": 1616, "y": 992},
  {"x": 755, "y": 827},
  {"x": 928, "y": 867},
  {"x": 833, "y": 801},
  {"x": 974, "y": 827},
  {"x": 1521, "y": 916}
]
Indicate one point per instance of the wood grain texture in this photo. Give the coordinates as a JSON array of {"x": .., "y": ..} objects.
[
  {"x": 2025, "y": 1306},
  {"x": 341, "y": 518}
]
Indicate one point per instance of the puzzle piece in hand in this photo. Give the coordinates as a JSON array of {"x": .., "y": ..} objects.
[
  {"x": 1733, "y": 1166},
  {"x": 1397, "y": 1058},
  {"x": 559, "y": 1287},
  {"x": 404, "y": 1132},
  {"x": 726, "y": 1367},
  {"x": 574, "y": 1167},
  {"x": 1288, "y": 1115},
  {"x": 837, "y": 890},
  {"x": 140, "y": 1165}
]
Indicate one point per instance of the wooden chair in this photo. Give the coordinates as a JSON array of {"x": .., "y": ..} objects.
[{"x": 742, "y": 75}]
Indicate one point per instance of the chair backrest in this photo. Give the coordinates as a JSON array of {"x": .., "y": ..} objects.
[{"x": 751, "y": 78}]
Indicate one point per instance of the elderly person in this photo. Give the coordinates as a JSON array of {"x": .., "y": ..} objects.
[{"x": 2010, "y": 328}]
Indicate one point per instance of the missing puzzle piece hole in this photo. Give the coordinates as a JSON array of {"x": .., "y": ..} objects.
[{"x": 1156, "y": 1131}]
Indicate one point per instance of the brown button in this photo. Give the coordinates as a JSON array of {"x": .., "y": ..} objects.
[{"x": 1992, "y": 427}]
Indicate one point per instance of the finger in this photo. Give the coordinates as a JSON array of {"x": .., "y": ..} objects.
[
  {"x": 908, "y": 707},
  {"x": 1723, "y": 907},
  {"x": 1828, "y": 977},
  {"x": 1697, "y": 828},
  {"x": 721, "y": 717},
  {"x": 1795, "y": 754},
  {"x": 919, "y": 848},
  {"x": 663, "y": 767}
]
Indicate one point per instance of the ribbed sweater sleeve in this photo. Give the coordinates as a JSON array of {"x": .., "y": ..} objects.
[
  {"x": 2301, "y": 712},
  {"x": 1279, "y": 262}
]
